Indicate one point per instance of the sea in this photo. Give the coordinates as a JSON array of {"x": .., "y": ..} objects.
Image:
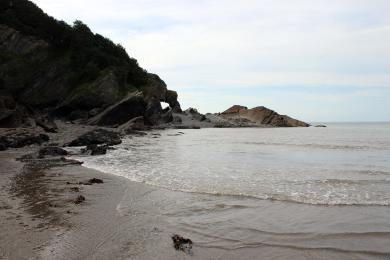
[{"x": 259, "y": 193}]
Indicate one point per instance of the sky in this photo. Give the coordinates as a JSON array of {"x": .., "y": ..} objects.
[{"x": 315, "y": 60}]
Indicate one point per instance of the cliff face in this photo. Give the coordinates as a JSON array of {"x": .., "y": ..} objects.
[
  {"x": 68, "y": 71},
  {"x": 261, "y": 116}
]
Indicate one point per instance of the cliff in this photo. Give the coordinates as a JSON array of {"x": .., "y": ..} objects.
[
  {"x": 49, "y": 69},
  {"x": 48, "y": 66}
]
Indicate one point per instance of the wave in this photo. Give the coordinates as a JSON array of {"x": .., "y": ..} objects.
[
  {"x": 290, "y": 246},
  {"x": 310, "y": 145},
  {"x": 235, "y": 244},
  {"x": 270, "y": 196},
  {"x": 291, "y": 199}
]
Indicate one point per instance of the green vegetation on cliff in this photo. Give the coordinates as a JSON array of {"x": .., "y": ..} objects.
[{"x": 89, "y": 53}]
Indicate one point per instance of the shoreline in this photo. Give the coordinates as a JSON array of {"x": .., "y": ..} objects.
[{"x": 123, "y": 219}]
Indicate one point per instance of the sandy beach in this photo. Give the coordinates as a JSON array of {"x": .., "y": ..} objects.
[{"x": 40, "y": 221}]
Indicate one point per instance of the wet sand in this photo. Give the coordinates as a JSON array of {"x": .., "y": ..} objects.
[
  {"x": 121, "y": 219},
  {"x": 39, "y": 219}
]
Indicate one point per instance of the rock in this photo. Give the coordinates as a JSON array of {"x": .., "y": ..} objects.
[
  {"x": 195, "y": 114},
  {"x": 21, "y": 138},
  {"x": 74, "y": 189},
  {"x": 155, "y": 115},
  {"x": 51, "y": 151},
  {"x": 97, "y": 136},
  {"x": 3, "y": 147},
  {"x": 43, "y": 152},
  {"x": 261, "y": 116},
  {"x": 9, "y": 117},
  {"x": 95, "y": 181},
  {"x": 79, "y": 199},
  {"x": 171, "y": 99},
  {"x": 186, "y": 127},
  {"x": 94, "y": 149},
  {"x": 93, "y": 112},
  {"x": 128, "y": 108},
  {"x": 102, "y": 92},
  {"x": 78, "y": 114},
  {"x": 155, "y": 87},
  {"x": 153, "y": 111},
  {"x": 27, "y": 157},
  {"x": 14, "y": 43},
  {"x": 47, "y": 124},
  {"x": 181, "y": 243},
  {"x": 166, "y": 117},
  {"x": 91, "y": 181},
  {"x": 136, "y": 123},
  {"x": 320, "y": 125},
  {"x": 12, "y": 114},
  {"x": 177, "y": 120},
  {"x": 135, "y": 132}
]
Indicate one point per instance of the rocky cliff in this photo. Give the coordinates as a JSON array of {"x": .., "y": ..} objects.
[{"x": 50, "y": 67}]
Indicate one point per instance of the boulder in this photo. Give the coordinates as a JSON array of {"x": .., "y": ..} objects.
[
  {"x": 97, "y": 136},
  {"x": 51, "y": 151},
  {"x": 21, "y": 138},
  {"x": 3, "y": 147},
  {"x": 95, "y": 181},
  {"x": 44, "y": 152},
  {"x": 91, "y": 181},
  {"x": 47, "y": 124},
  {"x": 94, "y": 149},
  {"x": 193, "y": 112},
  {"x": 128, "y": 108},
  {"x": 186, "y": 127},
  {"x": 181, "y": 243}
]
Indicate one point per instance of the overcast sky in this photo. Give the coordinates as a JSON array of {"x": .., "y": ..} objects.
[{"x": 311, "y": 59}]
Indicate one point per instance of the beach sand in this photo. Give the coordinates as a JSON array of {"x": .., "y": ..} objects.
[{"x": 39, "y": 219}]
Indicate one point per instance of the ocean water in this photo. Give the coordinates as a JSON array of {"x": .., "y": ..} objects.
[
  {"x": 262, "y": 193},
  {"x": 343, "y": 164}
]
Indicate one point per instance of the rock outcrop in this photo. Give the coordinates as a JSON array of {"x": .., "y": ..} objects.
[
  {"x": 171, "y": 99},
  {"x": 137, "y": 124},
  {"x": 128, "y": 108},
  {"x": 261, "y": 116},
  {"x": 17, "y": 138},
  {"x": 51, "y": 151},
  {"x": 97, "y": 136}
]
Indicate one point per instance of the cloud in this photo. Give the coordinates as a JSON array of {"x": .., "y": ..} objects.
[{"x": 226, "y": 44}]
